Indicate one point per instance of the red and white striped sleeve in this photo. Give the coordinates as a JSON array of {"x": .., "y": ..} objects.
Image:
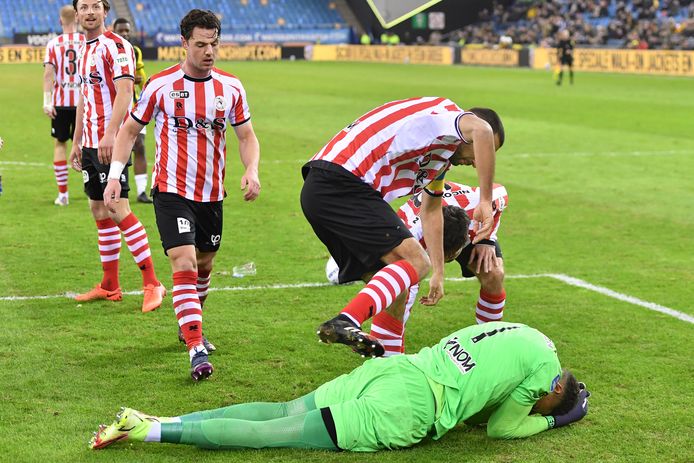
[
  {"x": 240, "y": 112},
  {"x": 146, "y": 107},
  {"x": 49, "y": 57},
  {"x": 120, "y": 55}
]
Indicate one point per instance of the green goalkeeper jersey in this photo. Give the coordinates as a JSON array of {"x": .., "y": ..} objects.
[{"x": 480, "y": 367}]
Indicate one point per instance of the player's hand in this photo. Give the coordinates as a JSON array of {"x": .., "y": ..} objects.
[
  {"x": 106, "y": 148},
  {"x": 250, "y": 185},
  {"x": 484, "y": 221},
  {"x": 485, "y": 255},
  {"x": 112, "y": 194},
  {"x": 435, "y": 291},
  {"x": 577, "y": 412},
  {"x": 76, "y": 157},
  {"x": 49, "y": 110}
]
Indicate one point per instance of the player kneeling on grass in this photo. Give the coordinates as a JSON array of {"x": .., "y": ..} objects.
[
  {"x": 506, "y": 375},
  {"x": 482, "y": 260}
]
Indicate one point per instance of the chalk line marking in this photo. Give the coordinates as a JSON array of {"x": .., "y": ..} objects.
[{"x": 566, "y": 279}]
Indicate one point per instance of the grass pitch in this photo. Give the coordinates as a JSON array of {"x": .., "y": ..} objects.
[{"x": 599, "y": 178}]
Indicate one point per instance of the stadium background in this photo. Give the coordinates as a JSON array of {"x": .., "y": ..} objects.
[{"x": 599, "y": 177}]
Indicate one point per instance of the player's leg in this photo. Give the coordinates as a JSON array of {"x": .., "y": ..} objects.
[
  {"x": 388, "y": 327},
  {"x": 571, "y": 72},
  {"x": 492, "y": 298},
  {"x": 136, "y": 239},
  {"x": 257, "y": 411},
  {"x": 310, "y": 430},
  {"x": 560, "y": 76},
  {"x": 140, "y": 167},
  {"x": 60, "y": 130},
  {"x": 205, "y": 264},
  {"x": 109, "y": 239}
]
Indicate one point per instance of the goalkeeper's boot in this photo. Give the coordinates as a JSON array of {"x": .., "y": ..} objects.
[
  {"x": 340, "y": 330},
  {"x": 129, "y": 425},
  {"x": 205, "y": 342},
  {"x": 153, "y": 295},
  {"x": 98, "y": 293},
  {"x": 200, "y": 366}
]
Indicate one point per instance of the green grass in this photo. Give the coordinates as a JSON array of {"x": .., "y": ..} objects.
[{"x": 599, "y": 178}]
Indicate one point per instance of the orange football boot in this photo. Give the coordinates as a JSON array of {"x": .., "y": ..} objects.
[
  {"x": 99, "y": 294},
  {"x": 153, "y": 297}
]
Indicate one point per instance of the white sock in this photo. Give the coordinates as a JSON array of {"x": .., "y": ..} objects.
[
  {"x": 154, "y": 434},
  {"x": 63, "y": 195},
  {"x": 141, "y": 183}
]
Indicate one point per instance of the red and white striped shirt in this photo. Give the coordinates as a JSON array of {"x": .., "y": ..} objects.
[
  {"x": 458, "y": 195},
  {"x": 191, "y": 119},
  {"x": 62, "y": 52},
  {"x": 103, "y": 61},
  {"x": 400, "y": 147}
]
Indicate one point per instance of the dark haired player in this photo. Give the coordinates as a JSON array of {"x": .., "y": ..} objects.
[
  {"x": 61, "y": 84},
  {"x": 565, "y": 55},
  {"x": 122, "y": 27},
  {"x": 506, "y": 375},
  {"x": 106, "y": 67},
  {"x": 398, "y": 149},
  {"x": 191, "y": 104}
]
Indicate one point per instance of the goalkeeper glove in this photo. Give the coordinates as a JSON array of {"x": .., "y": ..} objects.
[{"x": 577, "y": 412}]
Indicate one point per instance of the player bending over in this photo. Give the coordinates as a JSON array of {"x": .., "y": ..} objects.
[{"x": 502, "y": 374}]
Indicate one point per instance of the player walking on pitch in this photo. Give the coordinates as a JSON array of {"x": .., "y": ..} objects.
[
  {"x": 504, "y": 375},
  {"x": 191, "y": 104},
  {"x": 106, "y": 67},
  {"x": 61, "y": 83},
  {"x": 395, "y": 150}
]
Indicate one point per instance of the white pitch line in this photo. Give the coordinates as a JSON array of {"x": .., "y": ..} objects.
[{"x": 566, "y": 279}]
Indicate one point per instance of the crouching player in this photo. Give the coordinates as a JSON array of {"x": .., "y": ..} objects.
[
  {"x": 502, "y": 374},
  {"x": 482, "y": 260}
]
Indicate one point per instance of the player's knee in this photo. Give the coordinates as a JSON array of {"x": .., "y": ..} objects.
[{"x": 421, "y": 263}]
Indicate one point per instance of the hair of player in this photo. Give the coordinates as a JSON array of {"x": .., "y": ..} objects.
[
  {"x": 67, "y": 15},
  {"x": 107, "y": 6},
  {"x": 455, "y": 229},
  {"x": 204, "y": 19},
  {"x": 493, "y": 119},
  {"x": 120, "y": 21},
  {"x": 570, "y": 395}
]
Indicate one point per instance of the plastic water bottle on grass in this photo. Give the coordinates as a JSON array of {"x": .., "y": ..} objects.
[{"x": 247, "y": 269}]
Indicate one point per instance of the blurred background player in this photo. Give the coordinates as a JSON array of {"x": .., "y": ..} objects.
[
  {"x": 61, "y": 83},
  {"x": 398, "y": 149},
  {"x": 565, "y": 56},
  {"x": 106, "y": 66},
  {"x": 190, "y": 167},
  {"x": 482, "y": 260},
  {"x": 502, "y": 375},
  {"x": 122, "y": 27}
]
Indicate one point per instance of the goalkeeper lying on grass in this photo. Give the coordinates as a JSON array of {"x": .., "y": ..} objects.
[{"x": 506, "y": 375}]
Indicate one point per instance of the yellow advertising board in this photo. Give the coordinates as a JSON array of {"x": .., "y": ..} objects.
[
  {"x": 382, "y": 54},
  {"x": 659, "y": 62},
  {"x": 21, "y": 54},
  {"x": 227, "y": 53},
  {"x": 486, "y": 57}
]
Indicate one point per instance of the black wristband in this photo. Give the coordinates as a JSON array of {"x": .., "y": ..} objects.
[{"x": 487, "y": 242}]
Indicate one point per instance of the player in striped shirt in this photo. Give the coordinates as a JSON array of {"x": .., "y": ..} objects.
[
  {"x": 61, "y": 83},
  {"x": 106, "y": 67},
  {"x": 122, "y": 27},
  {"x": 398, "y": 149},
  {"x": 191, "y": 104}
]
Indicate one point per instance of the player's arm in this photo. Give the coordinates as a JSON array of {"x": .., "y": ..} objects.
[
  {"x": 482, "y": 136},
  {"x": 48, "y": 80},
  {"x": 513, "y": 420},
  {"x": 76, "y": 150},
  {"x": 249, "y": 151},
  {"x": 121, "y": 152},
  {"x": 124, "y": 98},
  {"x": 432, "y": 228}
]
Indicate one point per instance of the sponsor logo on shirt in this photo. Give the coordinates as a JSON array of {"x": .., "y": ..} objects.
[
  {"x": 123, "y": 59},
  {"x": 179, "y": 94},
  {"x": 460, "y": 357}
]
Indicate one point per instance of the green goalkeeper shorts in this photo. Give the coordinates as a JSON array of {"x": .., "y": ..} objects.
[{"x": 384, "y": 404}]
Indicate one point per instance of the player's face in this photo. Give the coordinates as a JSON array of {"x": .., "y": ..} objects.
[
  {"x": 465, "y": 153},
  {"x": 201, "y": 49},
  {"x": 123, "y": 29},
  {"x": 91, "y": 14},
  {"x": 454, "y": 255}
]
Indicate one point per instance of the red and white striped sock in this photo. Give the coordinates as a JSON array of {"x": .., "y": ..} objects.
[
  {"x": 60, "y": 171},
  {"x": 490, "y": 307},
  {"x": 381, "y": 290},
  {"x": 389, "y": 330},
  {"x": 109, "y": 252},
  {"x": 203, "y": 285},
  {"x": 187, "y": 307},
  {"x": 136, "y": 239}
]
